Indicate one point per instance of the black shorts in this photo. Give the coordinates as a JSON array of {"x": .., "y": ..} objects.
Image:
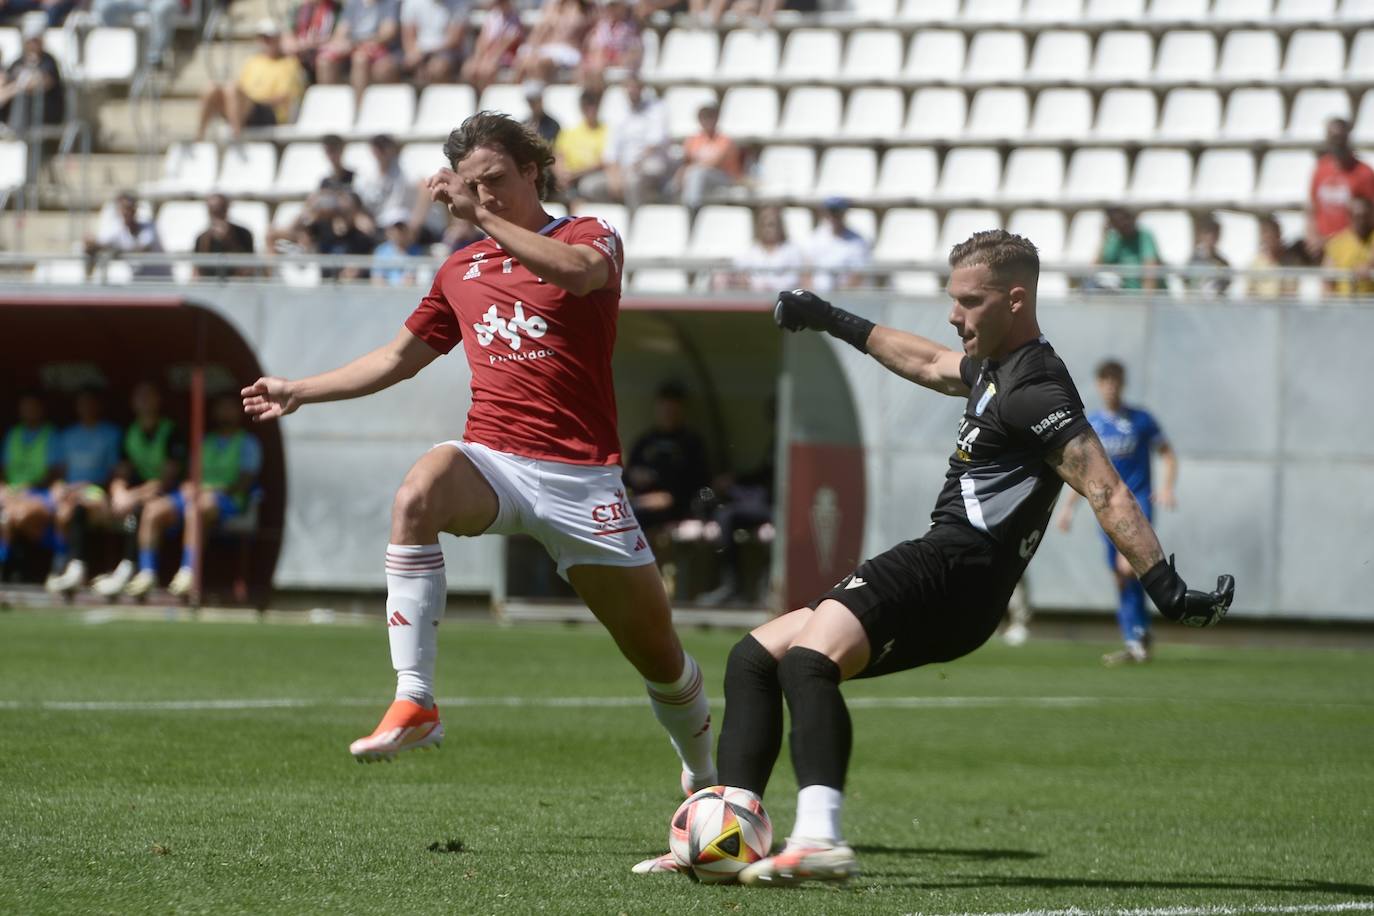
[
  {"x": 261, "y": 115},
  {"x": 932, "y": 599}
]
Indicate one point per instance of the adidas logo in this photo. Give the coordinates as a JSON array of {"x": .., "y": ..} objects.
[
  {"x": 396, "y": 620},
  {"x": 639, "y": 543}
]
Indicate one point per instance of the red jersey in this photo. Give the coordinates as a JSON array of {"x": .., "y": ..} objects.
[
  {"x": 1333, "y": 187},
  {"x": 540, "y": 356}
]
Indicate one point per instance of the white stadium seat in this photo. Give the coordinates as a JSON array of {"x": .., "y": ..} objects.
[
  {"x": 1061, "y": 114},
  {"x": 421, "y": 160},
  {"x": 247, "y": 169},
  {"x": 179, "y": 222},
  {"x": 1053, "y": 11},
  {"x": 442, "y": 108},
  {"x": 1186, "y": 56},
  {"x": 1364, "y": 119},
  {"x": 1239, "y": 242},
  {"x": 1123, "y": 56},
  {"x": 1249, "y": 54},
  {"x": 721, "y": 232},
  {"x": 65, "y": 46},
  {"x": 798, "y": 222},
  {"x": 1312, "y": 108},
  {"x": 286, "y": 212},
  {"x": 614, "y": 104},
  {"x": 847, "y": 171},
  {"x": 658, "y": 231},
  {"x": 810, "y": 112},
  {"x": 1033, "y": 174},
  {"x": 111, "y": 55},
  {"x": 617, "y": 216},
  {"x": 659, "y": 281},
  {"x": 1253, "y": 114},
  {"x": 863, "y": 221},
  {"x": 1060, "y": 55},
  {"x": 186, "y": 168},
  {"x": 302, "y": 167},
  {"x": 959, "y": 224},
  {"x": 324, "y": 110},
  {"x": 563, "y": 103},
  {"x": 917, "y": 283},
  {"x": 1283, "y": 177},
  {"x": 936, "y": 113},
  {"x": 749, "y": 111},
  {"x": 991, "y": 10},
  {"x": 1361, "y": 66},
  {"x": 1161, "y": 174},
  {"x": 1224, "y": 176},
  {"x": 251, "y": 215},
  {"x": 872, "y": 113},
  {"x": 14, "y": 158},
  {"x": 1304, "y": 10},
  {"x": 1125, "y": 114},
  {"x": 874, "y": 10},
  {"x": 810, "y": 55},
  {"x": 1190, "y": 114},
  {"x": 996, "y": 56},
  {"x": 908, "y": 172},
  {"x": 935, "y": 55},
  {"x": 929, "y": 10},
  {"x": 11, "y": 46},
  {"x": 872, "y": 55},
  {"x": 687, "y": 54},
  {"x": 359, "y": 157},
  {"x": 998, "y": 114},
  {"x": 749, "y": 54},
  {"x": 1114, "y": 10},
  {"x": 385, "y": 109},
  {"x": 1177, "y": 11},
  {"x": 508, "y": 98},
  {"x": 683, "y": 103},
  {"x": 1314, "y": 54},
  {"x": 1356, "y": 11},
  {"x": 1173, "y": 232},
  {"x": 1045, "y": 228},
  {"x": 1096, "y": 175},
  {"x": 970, "y": 173},
  {"x": 60, "y": 271},
  {"x": 1242, "y": 10},
  {"x": 1084, "y": 240},
  {"x": 788, "y": 171},
  {"x": 906, "y": 234}
]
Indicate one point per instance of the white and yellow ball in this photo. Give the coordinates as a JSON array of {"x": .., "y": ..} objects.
[{"x": 718, "y": 831}]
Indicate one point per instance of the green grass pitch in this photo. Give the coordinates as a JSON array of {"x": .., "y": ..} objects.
[{"x": 1230, "y": 779}]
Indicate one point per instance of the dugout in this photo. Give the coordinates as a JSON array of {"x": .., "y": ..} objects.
[{"x": 59, "y": 342}]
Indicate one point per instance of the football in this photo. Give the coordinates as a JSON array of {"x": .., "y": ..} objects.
[{"x": 719, "y": 830}]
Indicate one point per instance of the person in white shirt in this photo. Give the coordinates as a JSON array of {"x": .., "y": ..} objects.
[
  {"x": 432, "y": 36},
  {"x": 128, "y": 235},
  {"x": 772, "y": 262},
  {"x": 636, "y": 157},
  {"x": 834, "y": 250}
]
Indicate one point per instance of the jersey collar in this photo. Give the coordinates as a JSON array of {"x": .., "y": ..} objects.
[{"x": 554, "y": 224}]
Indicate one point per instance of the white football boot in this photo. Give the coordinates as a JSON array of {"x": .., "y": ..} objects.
[
  {"x": 182, "y": 582},
  {"x": 143, "y": 582},
  {"x": 112, "y": 583},
  {"x": 803, "y": 860},
  {"x": 70, "y": 579}
]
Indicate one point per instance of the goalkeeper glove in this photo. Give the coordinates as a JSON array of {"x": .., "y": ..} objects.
[
  {"x": 1177, "y": 601},
  {"x": 803, "y": 310}
]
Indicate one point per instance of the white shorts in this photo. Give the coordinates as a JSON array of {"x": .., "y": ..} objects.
[{"x": 579, "y": 512}]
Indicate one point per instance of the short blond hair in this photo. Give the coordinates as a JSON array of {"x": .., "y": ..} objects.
[{"x": 1008, "y": 256}]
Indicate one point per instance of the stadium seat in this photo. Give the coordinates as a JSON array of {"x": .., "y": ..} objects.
[
  {"x": 1161, "y": 175},
  {"x": 787, "y": 171},
  {"x": 908, "y": 173},
  {"x": 1304, "y": 10},
  {"x": 935, "y": 55},
  {"x": 1239, "y": 243},
  {"x": 959, "y": 224},
  {"x": 996, "y": 55},
  {"x": 14, "y": 158},
  {"x": 1123, "y": 57},
  {"x": 749, "y": 111},
  {"x": 251, "y": 215},
  {"x": 1312, "y": 108},
  {"x": 504, "y": 97},
  {"x": 872, "y": 113},
  {"x": 1190, "y": 114},
  {"x": 285, "y": 213},
  {"x": 683, "y": 103},
  {"x": 1096, "y": 175},
  {"x": 11, "y": 46},
  {"x": 1060, "y": 55},
  {"x": 1061, "y": 114},
  {"x": 686, "y": 55},
  {"x": 1043, "y": 227},
  {"x": 810, "y": 112},
  {"x": 998, "y": 114},
  {"x": 936, "y": 114},
  {"x": 657, "y": 231},
  {"x": 328, "y": 110},
  {"x": 1361, "y": 65},
  {"x": 186, "y": 168},
  {"x": 1053, "y": 11},
  {"x": 179, "y": 222},
  {"x": 1033, "y": 174},
  {"x": 649, "y": 60},
  {"x": 1363, "y": 131},
  {"x": 970, "y": 173},
  {"x": 906, "y": 234},
  {"x": 873, "y": 10},
  {"x": 1114, "y": 10},
  {"x": 1173, "y": 232},
  {"x": 302, "y": 167},
  {"x": 60, "y": 271},
  {"x": 872, "y": 55},
  {"x": 563, "y": 103},
  {"x": 1283, "y": 177},
  {"x": 421, "y": 160},
  {"x": 721, "y": 232},
  {"x": 617, "y": 216},
  {"x": 247, "y": 169},
  {"x": 917, "y": 283},
  {"x": 983, "y": 11},
  {"x": 1177, "y": 11},
  {"x": 929, "y": 10},
  {"x": 657, "y": 280},
  {"x": 1224, "y": 176},
  {"x": 1314, "y": 55},
  {"x": 862, "y": 220},
  {"x": 65, "y": 46},
  {"x": 1125, "y": 114},
  {"x": 810, "y": 55},
  {"x": 1249, "y": 54},
  {"x": 442, "y": 108},
  {"x": 111, "y": 55},
  {"x": 1186, "y": 56},
  {"x": 749, "y": 54},
  {"x": 1242, "y": 10},
  {"x": 798, "y": 222},
  {"x": 358, "y": 156},
  {"x": 614, "y": 104},
  {"x": 1253, "y": 114},
  {"x": 386, "y": 109},
  {"x": 1356, "y": 11},
  {"x": 1084, "y": 241},
  {"x": 847, "y": 171}
]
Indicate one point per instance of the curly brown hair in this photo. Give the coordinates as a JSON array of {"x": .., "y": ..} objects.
[{"x": 521, "y": 143}]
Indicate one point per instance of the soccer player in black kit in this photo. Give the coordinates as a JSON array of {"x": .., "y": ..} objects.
[{"x": 940, "y": 596}]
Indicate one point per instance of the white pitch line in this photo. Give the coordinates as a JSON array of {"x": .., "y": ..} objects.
[{"x": 1352, "y": 906}]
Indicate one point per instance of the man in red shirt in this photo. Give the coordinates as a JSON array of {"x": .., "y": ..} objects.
[
  {"x": 534, "y": 307},
  {"x": 1338, "y": 178}
]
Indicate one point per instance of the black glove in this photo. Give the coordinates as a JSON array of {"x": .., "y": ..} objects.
[
  {"x": 1177, "y": 601},
  {"x": 802, "y": 309}
]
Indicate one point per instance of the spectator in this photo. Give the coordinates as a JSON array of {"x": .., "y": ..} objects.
[
  {"x": 31, "y": 90},
  {"x": 269, "y": 87},
  {"x": 335, "y": 228},
  {"x": 154, "y": 458},
  {"x": 636, "y": 155},
  {"x": 579, "y": 151},
  {"x": 231, "y": 460},
  {"x": 1352, "y": 250},
  {"x": 387, "y": 189},
  {"x": 1127, "y": 244},
  {"x": 540, "y": 120},
  {"x": 616, "y": 40},
  {"x": 667, "y": 465},
  {"x": 771, "y": 263},
  {"x": 129, "y": 235},
  {"x": 90, "y": 453},
  {"x": 51, "y": 13},
  {"x": 432, "y": 37},
  {"x": 835, "y": 251},
  {"x": 340, "y": 177},
  {"x": 1207, "y": 236},
  {"x": 161, "y": 18},
  {"x": 1273, "y": 253},
  {"x": 497, "y": 44},
  {"x": 363, "y": 45},
  {"x": 310, "y": 26},
  {"x": 32, "y": 459},
  {"x": 1338, "y": 178},
  {"x": 387, "y": 268},
  {"x": 222, "y": 237},
  {"x": 710, "y": 161},
  {"x": 555, "y": 44},
  {"x": 744, "y": 511}
]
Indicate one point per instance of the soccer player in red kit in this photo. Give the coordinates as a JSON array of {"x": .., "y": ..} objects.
[{"x": 534, "y": 307}]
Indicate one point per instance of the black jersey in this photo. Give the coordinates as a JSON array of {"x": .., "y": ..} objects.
[{"x": 1019, "y": 409}]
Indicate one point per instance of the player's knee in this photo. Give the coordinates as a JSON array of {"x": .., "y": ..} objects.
[
  {"x": 749, "y": 661},
  {"x": 413, "y": 507},
  {"x": 799, "y": 664}
]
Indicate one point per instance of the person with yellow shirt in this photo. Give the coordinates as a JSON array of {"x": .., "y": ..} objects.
[
  {"x": 269, "y": 86},
  {"x": 577, "y": 152},
  {"x": 1352, "y": 249}
]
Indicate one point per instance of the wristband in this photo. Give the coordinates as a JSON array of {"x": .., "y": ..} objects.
[
  {"x": 1165, "y": 588},
  {"x": 850, "y": 328}
]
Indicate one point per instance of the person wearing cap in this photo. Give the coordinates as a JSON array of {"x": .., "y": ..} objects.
[
  {"x": 161, "y": 21},
  {"x": 269, "y": 86},
  {"x": 31, "y": 88},
  {"x": 555, "y": 42},
  {"x": 834, "y": 250},
  {"x": 539, "y": 120},
  {"x": 710, "y": 160},
  {"x": 432, "y": 36}
]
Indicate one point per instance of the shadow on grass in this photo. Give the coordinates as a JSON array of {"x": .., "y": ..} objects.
[
  {"x": 977, "y": 855},
  {"x": 1239, "y": 883}
]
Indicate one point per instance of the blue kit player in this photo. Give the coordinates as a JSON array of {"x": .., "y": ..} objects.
[{"x": 1130, "y": 436}]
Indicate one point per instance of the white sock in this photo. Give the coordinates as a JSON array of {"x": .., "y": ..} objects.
[
  {"x": 416, "y": 590},
  {"x": 818, "y": 813},
  {"x": 682, "y": 709}
]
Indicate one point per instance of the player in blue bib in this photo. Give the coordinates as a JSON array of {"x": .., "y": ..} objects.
[{"x": 1130, "y": 436}]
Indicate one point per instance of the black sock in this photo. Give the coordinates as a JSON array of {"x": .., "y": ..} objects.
[
  {"x": 751, "y": 735},
  {"x": 821, "y": 732},
  {"x": 76, "y": 533},
  {"x": 131, "y": 536}
]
